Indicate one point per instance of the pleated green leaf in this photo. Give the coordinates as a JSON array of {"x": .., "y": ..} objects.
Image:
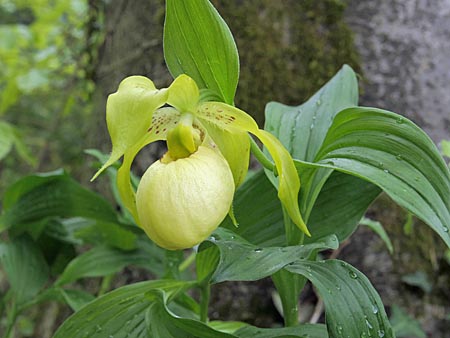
[
  {"x": 342, "y": 202},
  {"x": 303, "y": 128},
  {"x": 197, "y": 42},
  {"x": 119, "y": 314},
  {"x": 162, "y": 323},
  {"x": 340, "y": 206},
  {"x": 240, "y": 260},
  {"x": 303, "y": 331},
  {"x": 41, "y": 196},
  {"x": 103, "y": 261},
  {"x": 353, "y": 308},
  {"x": 25, "y": 267},
  {"x": 392, "y": 152}
]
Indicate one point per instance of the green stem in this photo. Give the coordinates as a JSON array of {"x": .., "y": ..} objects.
[
  {"x": 187, "y": 262},
  {"x": 204, "y": 301},
  {"x": 106, "y": 283},
  {"x": 260, "y": 156},
  {"x": 12, "y": 316},
  {"x": 289, "y": 285}
]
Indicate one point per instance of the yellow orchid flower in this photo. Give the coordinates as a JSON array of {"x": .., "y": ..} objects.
[{"x": 184, "y": 196}]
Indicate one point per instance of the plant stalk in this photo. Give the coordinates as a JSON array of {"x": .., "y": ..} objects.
[
  {"x": 260, "y": 156},
  {"x": 289, "y": 285},
  {"x": 11, "y": 321},
  {"x": 204, "y": 301}
]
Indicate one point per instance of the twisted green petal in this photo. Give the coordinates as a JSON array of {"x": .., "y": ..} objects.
[
  {"x": 129, "y": 114},
  {"x": 163, "y": 120},
  {"x": 233, "y": 119},
  {"x": 289, "y": 182}
]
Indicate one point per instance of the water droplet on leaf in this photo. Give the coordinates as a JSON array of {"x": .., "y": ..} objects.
[{"x": 353, "y": 275}]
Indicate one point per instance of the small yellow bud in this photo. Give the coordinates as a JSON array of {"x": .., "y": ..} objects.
[{"x": 181, "y": 202}]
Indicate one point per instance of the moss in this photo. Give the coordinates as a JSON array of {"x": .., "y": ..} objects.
[{"x": 288, "y": 49}]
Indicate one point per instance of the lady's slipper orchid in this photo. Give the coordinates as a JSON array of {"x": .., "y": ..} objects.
[{"x": 184, "y": 196}]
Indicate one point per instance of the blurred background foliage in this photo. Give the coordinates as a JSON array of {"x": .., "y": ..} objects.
[{"x": 47, "y": 52}]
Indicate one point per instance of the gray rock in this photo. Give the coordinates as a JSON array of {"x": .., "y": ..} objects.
[{"x": 405, "y": 51}]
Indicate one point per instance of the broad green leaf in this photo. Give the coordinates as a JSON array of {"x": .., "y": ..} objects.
[
  {"x": 76, "y": 299},
  {"x": 162, "y": 323},
  {"x": 55, "y": 194},
  {"x": 117, "y": 314},
  {"x": 258, "y": 211},
  {"x": 341, "y": 204},
  {"x": 87, "y": 231},
  {"x": 377, "y": 227},
  {"x": 338, "y": 209},
  {"x": 197, "y": 42},
  {"x": 103, "y": 261},
  {"x": 303, "y": 331},
  {"x": 240, "y": 260},
  {"x": 353, "y": 308},
  {"x": 25, "y": 267},
  {"x": 393, "y": 153},
  {"x": 302, "y": 129}
]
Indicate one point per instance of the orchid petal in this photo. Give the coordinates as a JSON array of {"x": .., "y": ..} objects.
[
  {"x": 184, "y": 94},
  {"x": 234, "y": 146},
  {"x": 232, "y": 119},
  {"x": 226, "y": 117},
  {"x": 129, "y": 114},
  {"x": 163, "y": 120},
  {"x": 289, "y": 182}
]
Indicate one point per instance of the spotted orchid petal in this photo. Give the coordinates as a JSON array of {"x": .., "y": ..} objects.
[
  {"x": 232, "y": 119},
  {"x": 129, "y": 114},
  {"x": 163, "y": 120}
]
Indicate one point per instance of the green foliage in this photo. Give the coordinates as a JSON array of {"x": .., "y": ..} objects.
[
  {"x": 44, "y": 81},
  {"x": 344, "y": 154},
  {"x": 404, "y": 325}
]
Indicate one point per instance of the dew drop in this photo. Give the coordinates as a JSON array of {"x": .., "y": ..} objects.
[
  {"x": 330, "y": 162},
  {"x": 380, "y": 333},
  {"x": 386, "y": 171},
  {"x": 374, "y": 309},
  {"x": 445, "y": 229},
  {"x": 353, "y": 275},
  {"x": 98, "y": 328},
  {"x": 368, "y": 324},
  {"x": 381, "y": 164},
  {"x": 338, "y": 287},
  {"x": 399, "y": 157},
  {"x": 311, "y": 127},
  {"x": 257, "y": 250},
  {"x": 318, "y": 102},
  {"x": 339, "y": 328},
  {"x": 400, "y": 120}
]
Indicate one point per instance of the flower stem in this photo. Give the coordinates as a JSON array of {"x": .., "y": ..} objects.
[
  {"x": 290, "y": 285},
  {"x": 260, "y": 156},
  {"x": 204, "y": 301},
  {"x": 12, "y": 315},
  {"x": 187, "y": 262}
]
